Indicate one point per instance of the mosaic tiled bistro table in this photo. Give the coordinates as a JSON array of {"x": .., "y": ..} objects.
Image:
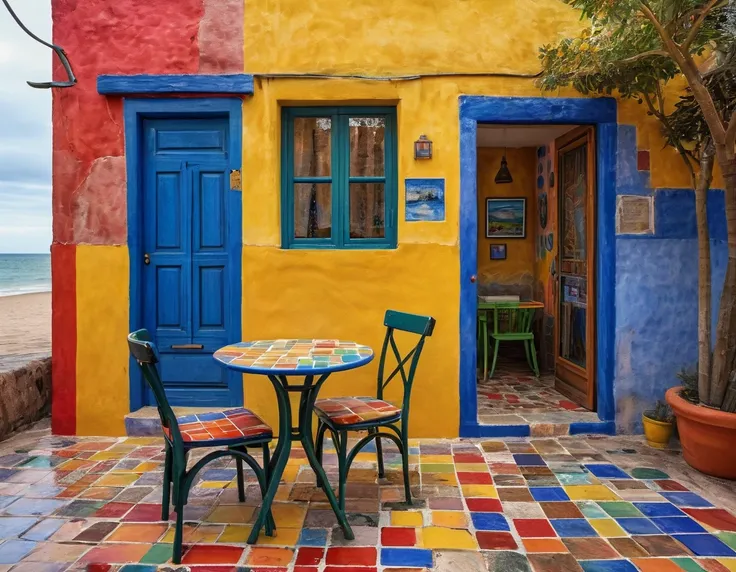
[{"x": 315, "y": 360}]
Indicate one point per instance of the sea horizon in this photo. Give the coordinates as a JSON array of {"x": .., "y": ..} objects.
[{"x": 28, "y": 273}]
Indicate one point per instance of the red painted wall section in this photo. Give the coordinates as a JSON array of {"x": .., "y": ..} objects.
[
  {"x": 221, "y": 37},
  {"x": 89, "y": 179},
  {"x": 63, "y": 339}
]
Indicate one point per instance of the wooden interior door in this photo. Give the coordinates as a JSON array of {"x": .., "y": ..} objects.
[{"x": 575, "y": 327}]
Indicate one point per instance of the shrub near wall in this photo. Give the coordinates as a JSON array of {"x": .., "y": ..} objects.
[{"x": 25, "y": 395}]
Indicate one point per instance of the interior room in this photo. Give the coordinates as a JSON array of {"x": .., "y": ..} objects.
[{"x": 539, "y": 345}]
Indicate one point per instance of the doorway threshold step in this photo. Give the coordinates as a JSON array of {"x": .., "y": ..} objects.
[
  {"x": 548, "y": 424},
  {"x": 146, "y": 423}
]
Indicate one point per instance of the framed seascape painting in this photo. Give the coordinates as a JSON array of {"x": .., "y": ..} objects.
[{"x": 506, "y": 218}]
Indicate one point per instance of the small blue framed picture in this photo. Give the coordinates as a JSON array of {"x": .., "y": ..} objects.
[{"x": 498, "y": 252}]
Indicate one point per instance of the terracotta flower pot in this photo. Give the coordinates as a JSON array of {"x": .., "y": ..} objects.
[{"x": 707, "y": 436}]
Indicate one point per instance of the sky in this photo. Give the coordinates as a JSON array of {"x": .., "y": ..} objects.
[{"x": 25, "y": 130}]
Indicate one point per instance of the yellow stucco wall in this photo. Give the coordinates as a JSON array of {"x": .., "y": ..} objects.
[
  {"x": 518, "y": 268},
  {"x": 102, "y": 352},
  {"x": 344, "y": 293}
]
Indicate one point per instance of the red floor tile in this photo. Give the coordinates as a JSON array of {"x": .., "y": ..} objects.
[
  {"x": 669, "y": 485},
  {"x": 309, "y": 556},
  {"x": 212, "y": 554},
  {"x": 718, "y": 518},
  {"x": 468, "y": 458},
  {"x": 534, "y": 528},
  {"x": 484, "y": 505},
  {"x": 393, "y": 536},
  {"x": 113, "y": 510},
  {"x": 496, "y": 541},
  {"x": 475, "y": 478},
  {"x": 342, "y": 556},
  {"x": 144, "y": 513},
  {"x": 350, "y": 569}
]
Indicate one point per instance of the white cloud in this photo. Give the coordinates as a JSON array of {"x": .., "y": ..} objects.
[{"x": 25, "y": 130}]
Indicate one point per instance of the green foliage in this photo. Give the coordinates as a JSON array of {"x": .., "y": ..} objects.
[
  {"x": 661, "y": 412},
  {"x": 689, "y": 379}
]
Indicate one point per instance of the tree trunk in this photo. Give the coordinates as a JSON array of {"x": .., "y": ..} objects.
[
  {"x": 704, "y": 271},
  {"x": 723, "y": 351}
]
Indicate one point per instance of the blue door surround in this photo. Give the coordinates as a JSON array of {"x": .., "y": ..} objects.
[
  {"x": 600, "y": 112},
  {"x": 135, "y": 112}
]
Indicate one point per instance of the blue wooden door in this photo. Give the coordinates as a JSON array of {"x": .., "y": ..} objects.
[{"x": 186, "y": 281}]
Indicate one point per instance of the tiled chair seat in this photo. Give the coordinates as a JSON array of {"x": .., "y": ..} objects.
[
  {"x": 345, "y": 411},
  {"x": 221, "y": 427}
]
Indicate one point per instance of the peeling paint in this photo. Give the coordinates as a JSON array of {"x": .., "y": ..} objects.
[{"x": 99, "y": 204}]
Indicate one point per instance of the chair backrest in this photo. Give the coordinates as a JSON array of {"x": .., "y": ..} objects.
[
  {"x": 144, "y": 352},
  {"x": 423, "y": 326},
  {"x": 512, "y": 318}
]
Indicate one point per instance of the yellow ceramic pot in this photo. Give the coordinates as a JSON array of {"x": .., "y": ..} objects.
[{"x": 657, "y": 433}]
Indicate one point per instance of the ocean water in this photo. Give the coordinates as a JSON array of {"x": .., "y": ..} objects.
[{"x": 24, "y": 273}]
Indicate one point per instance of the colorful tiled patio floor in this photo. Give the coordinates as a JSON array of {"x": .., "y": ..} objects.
[{"x": 567, "y": 504}]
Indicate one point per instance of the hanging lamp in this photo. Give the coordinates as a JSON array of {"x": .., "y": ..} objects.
[{"x": 504, "y": 175}]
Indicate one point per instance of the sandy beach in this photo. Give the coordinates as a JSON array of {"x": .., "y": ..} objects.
[{"x": 25, "y": 326}]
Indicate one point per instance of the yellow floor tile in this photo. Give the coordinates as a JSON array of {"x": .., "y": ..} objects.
[
  {"x": 281, "y": 537},
  {"x": 448, "y": 538},
  {"x": 145, "y": 467},
  {"x": 144, "y": 441},
  {"x": 235, "y": 534},
  {"x": 471, "y": 467},
  {"x": 486, "y": 491},
  {"x": 436, "y": 459},
  {"x": 438, "y": 478},
  {"x": 607, "y": 527},
  {"x": 407, "y": 518},
  {"x": 729, "y": 563},
  {"x": 135, "y": 532},
  {"x": 107, "y": 455},
  {"x": 449, "y": 518},
  {"x": 117, "y": 480},
  {"x": 74, "y": 464},
  {"x": 290, "y": 473},
  {"x": 288, "y": 515},
  {"x": 213, "y": 484},
  {"x": 283, "y": 492},
  {"x": 231, "y": 513},
  {"x": 590, "y": 492}
]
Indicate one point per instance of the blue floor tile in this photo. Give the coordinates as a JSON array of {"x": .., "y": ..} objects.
[
  {"x": 34, "y": 507},
  {"x": 607, "y": 471},
  {"x": 704, "y": 545},
  {"x": 529, "y": 460},
  {"x": 219, "y": 475},
  {"x": 677, "y": 524},
  {"x": 13, "y": 551},
  {"x": 5, "y": 501},
  {"x": 489, "y": 521},
  {"x": 548, "y": 494},
  {"x": 638, "y": 525},
  {"x": 417, "y": 557},
  {"x": 313, "y": 537},
  {"x": 608, "y": 566},
  {"x": 654, "y": 509},
  {"x": 15, "y": 526},
  {"x": 44, "y": 529},
  {"x": 572, "y": 527},
  {"x": 686, "y": 499}
]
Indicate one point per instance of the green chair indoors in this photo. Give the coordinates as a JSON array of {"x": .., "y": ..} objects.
[
  {"x": 382, "y": 420},
  {"x": 235, "y": 429},
  {"x": 512, "y": 322}
]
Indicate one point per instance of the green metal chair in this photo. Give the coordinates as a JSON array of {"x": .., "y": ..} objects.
[
  {"x": 235, "y": 429},
  {"x": 512, "y": 322},
  {"x": 341, "y": 415}
]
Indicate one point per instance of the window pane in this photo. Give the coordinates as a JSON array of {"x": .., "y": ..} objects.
[
  {"x": 367, "y": 210},
  {"x": 312, "y": 210},
  {"x": 367, "y": 146},
  {"x": 312, "y": 146}
]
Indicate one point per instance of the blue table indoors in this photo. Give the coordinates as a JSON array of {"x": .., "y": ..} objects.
[{"x": 315, "y": 361}]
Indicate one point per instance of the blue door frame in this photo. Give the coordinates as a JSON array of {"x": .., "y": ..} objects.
[
  {"x": 600, "y": 112},
  {"x": 134, "y": 112}
]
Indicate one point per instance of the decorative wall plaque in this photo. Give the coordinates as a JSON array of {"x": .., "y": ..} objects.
[{"x": 634, "y": 214}]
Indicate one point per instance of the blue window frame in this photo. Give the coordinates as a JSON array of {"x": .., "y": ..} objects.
[{"x": 339, "y": 177}]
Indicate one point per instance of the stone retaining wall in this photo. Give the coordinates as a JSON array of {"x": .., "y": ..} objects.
[{"x": 25, "y": 395}]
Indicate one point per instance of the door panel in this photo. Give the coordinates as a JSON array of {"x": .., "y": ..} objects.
[
  {"x": 575, "y": 324},
  {"x": 186, "y": 285}
]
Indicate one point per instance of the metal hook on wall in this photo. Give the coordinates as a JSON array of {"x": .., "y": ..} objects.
[{"x": 57, "y": 50}]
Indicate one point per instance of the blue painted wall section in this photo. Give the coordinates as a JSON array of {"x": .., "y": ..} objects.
[{"x": 656, "y": 318}]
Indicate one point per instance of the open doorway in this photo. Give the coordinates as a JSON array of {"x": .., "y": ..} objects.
[{"x": 536, "y": 260}]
